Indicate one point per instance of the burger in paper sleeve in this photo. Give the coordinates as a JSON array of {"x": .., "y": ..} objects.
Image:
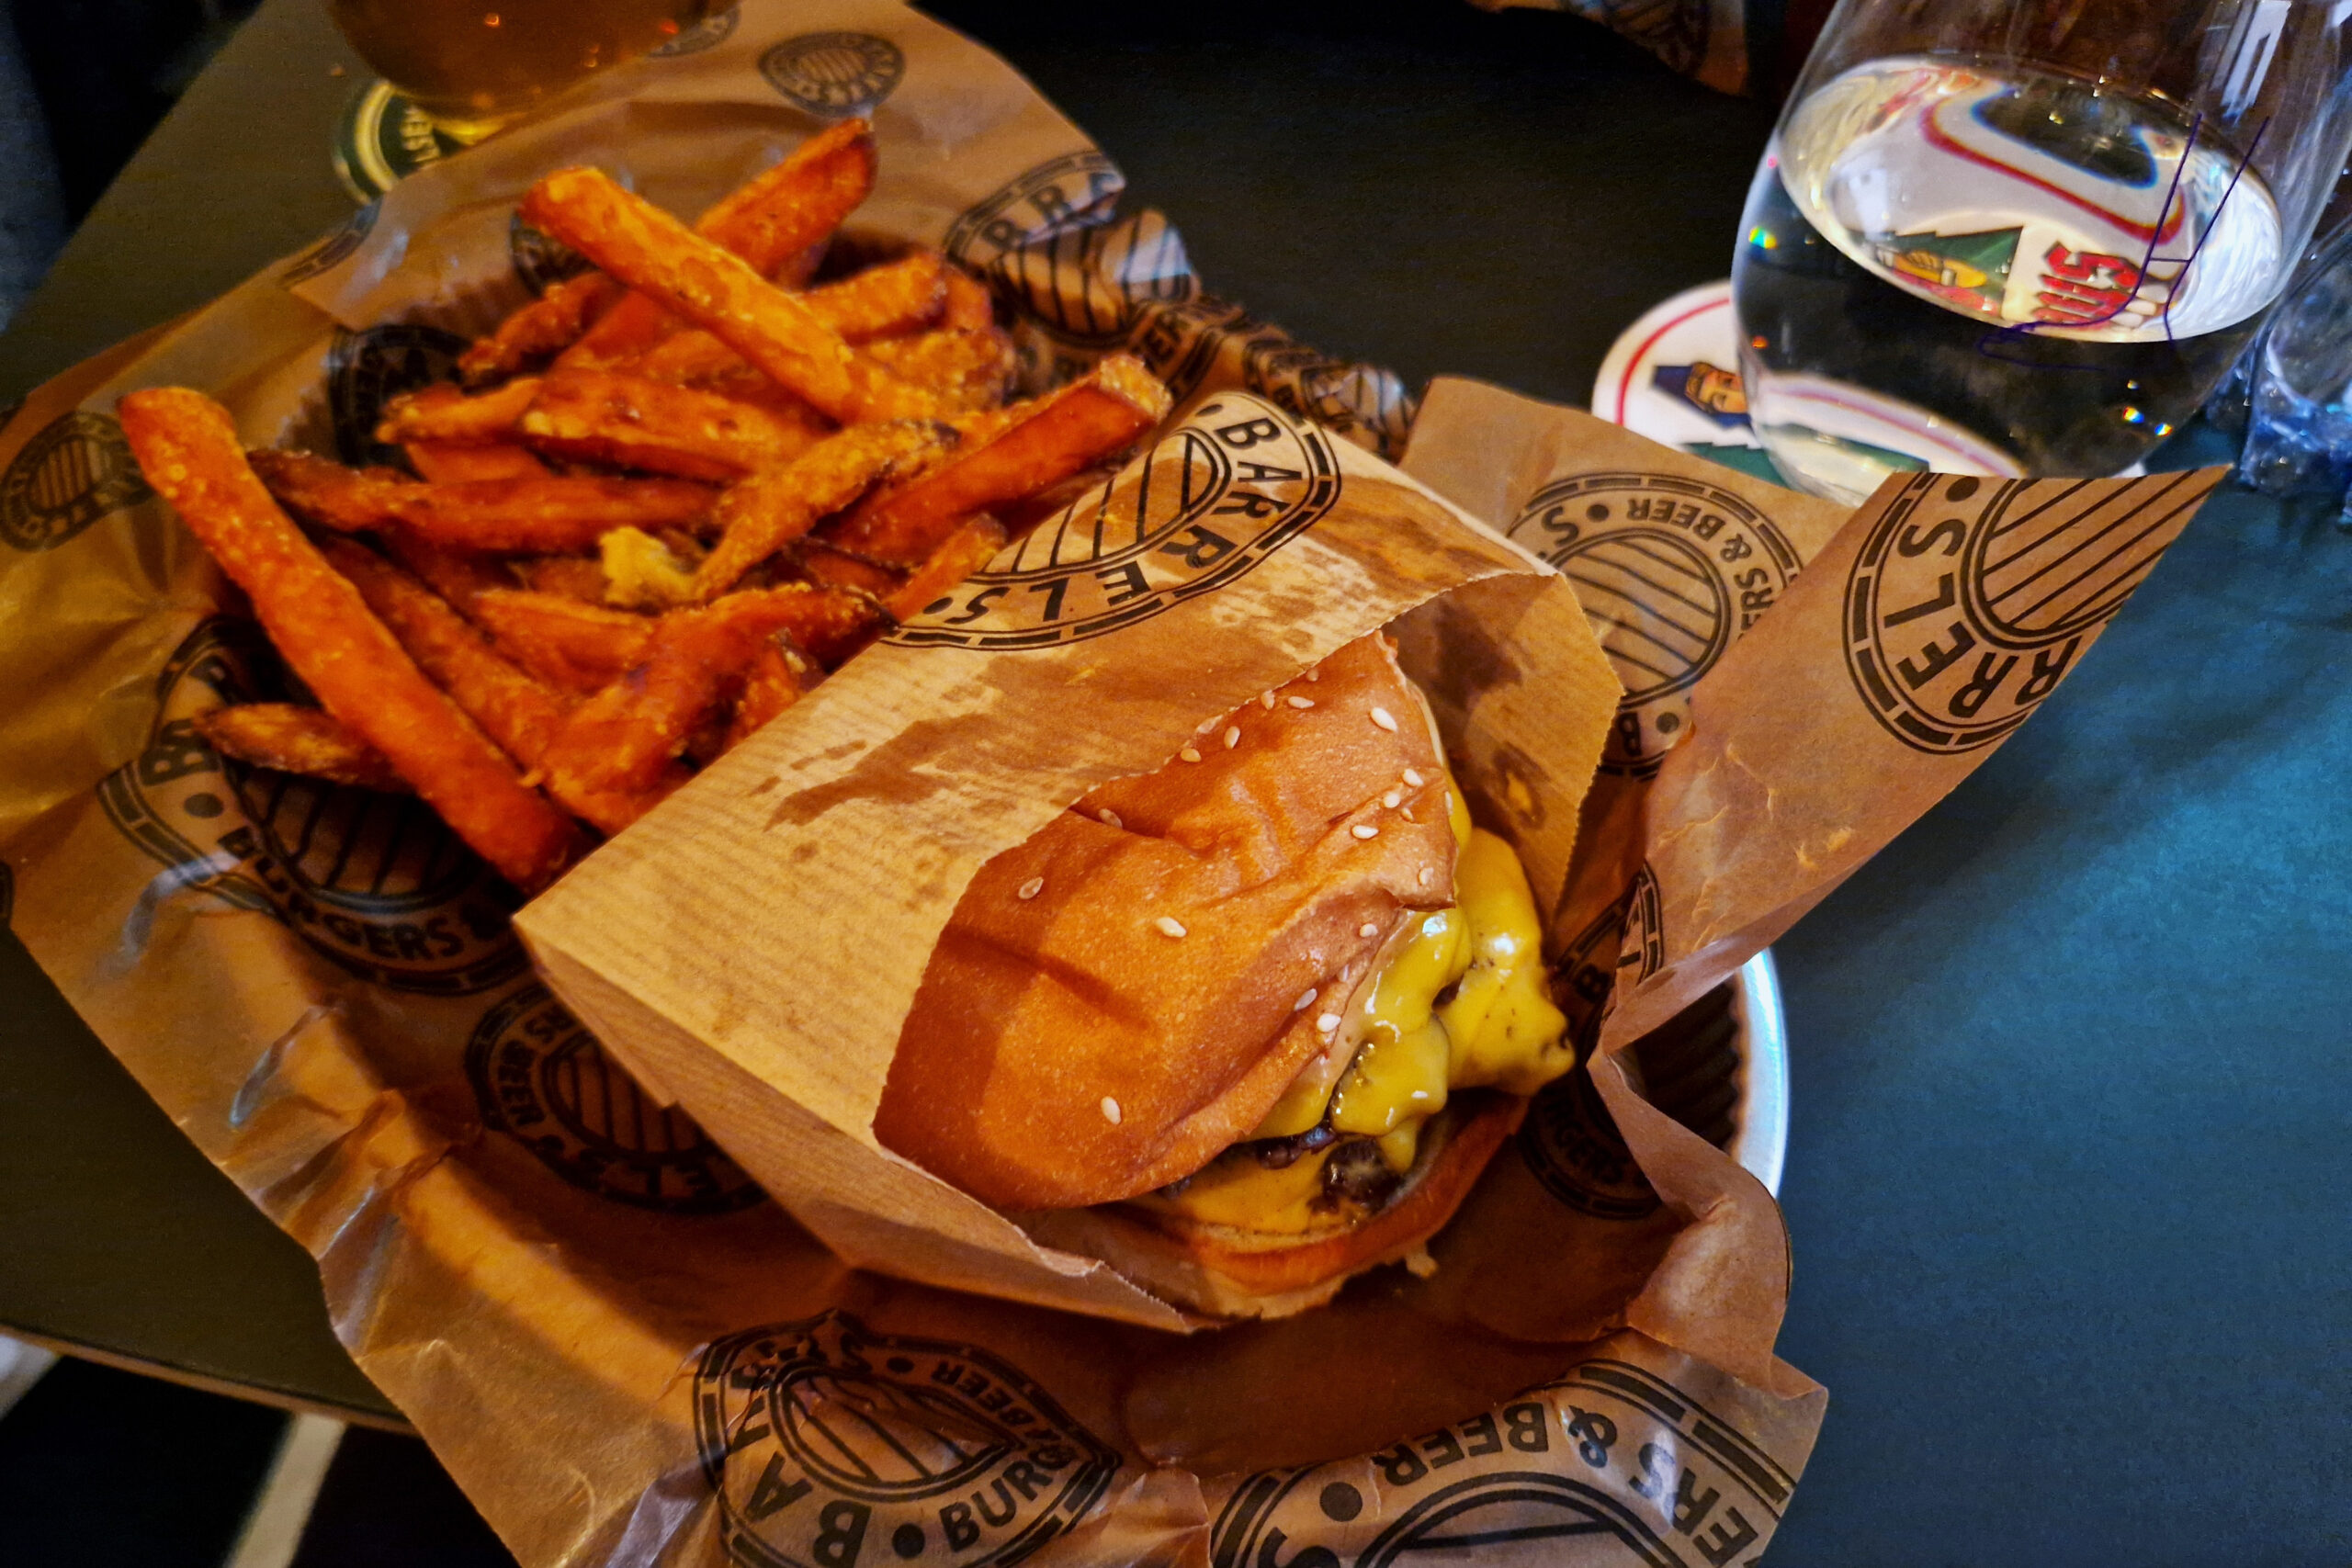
[{"x": 1248, "y": 1025}]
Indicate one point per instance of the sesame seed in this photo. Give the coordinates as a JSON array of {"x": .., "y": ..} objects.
[
  {"x": 1424, "y": 877},
  {"x": 1170, "y": 925},
  {"x": 1364, "y": 831},
  {"x": 1350, "y": 971},
  {"x": 1305, "y": 1001},
  {"x": 1392, "y": 800},
  {"x": 1369, "y": 928},
  {"x": 1206, "y": 725},
  {"x": 1315, "y": 673},
  {"x": 1300, "y": 702},
  {"x": 1327, "y": 1022},
  {"x": 1190, "y": 753},
  {"x": 1413, "y": 777},
  {"x": 1111, "y": 1112},
  {"x": 1032, "y": 887},
  {"x": 1111, "y": 819},
  {"x": 1385, "y": 720},
  {"x": 1232, "y": 736},
  {"x": 1406, "y": 813},
  {"x": 1266, "y": 700}
]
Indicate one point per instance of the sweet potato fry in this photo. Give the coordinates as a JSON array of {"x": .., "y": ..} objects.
[
  {"x": 762, "y": 515},
  {"x": 453, "y": 462},
  {"x": 633, "y": 423},
  {"x": 545, "y": 327},
  {"x": 776, "y": 216},
  {"x": 823, "y": 564},
  {"x": 621, "y": 334},
  {"x": 828, "y": 624},
  {"x": 717, "y": 290},
  {"x": 441, "y": 412},
  {"x": 578, "y": 648},
  {"x": 513, "y": 709},
  {"x": 779, "y": 676},
  {"x": 620, "y": 745},
  {"x": 892, "y": 296},
  {"x": 642, "y": 572},
  {"x": 459, "y": 577},
  {"x": 963, "y": 369},
  {"x": 969, "y": 305},
  {"x": 489, "y": 515},
  {"x": 1045, "y": 441},
  {"x": 187, "y": 445},
  {"x": 895, "y": 297},
  {"x": 310, "y": 742},
  {"x": 966, "y": 550},
  {"x": 571, "y": 577},
  {"x": 778, "y": 222}
]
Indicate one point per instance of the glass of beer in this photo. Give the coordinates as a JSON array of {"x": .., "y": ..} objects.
[
  {"x": 475, "y": 65},
  {"x": 2027, "y": 237}
]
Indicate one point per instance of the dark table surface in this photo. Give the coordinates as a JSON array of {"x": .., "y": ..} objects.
[{"x": 2068, "y": 1152}]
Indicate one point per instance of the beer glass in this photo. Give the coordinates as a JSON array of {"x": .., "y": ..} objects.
[
  {"x": 475, "y": 65},
  {"x": 2027, "y": 237}
]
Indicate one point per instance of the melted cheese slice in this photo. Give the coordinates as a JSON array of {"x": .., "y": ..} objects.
[{"x": 1495, "y": 1029}]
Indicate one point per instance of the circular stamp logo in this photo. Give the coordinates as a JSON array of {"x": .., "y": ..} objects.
[
  {"x": 1971, "y": 598},
  {"x": 75, "y": 471},
  {"x": 540, "y": 1076},
  {"x": 834, "y": 75},
  {"x": 375, "y": 882},
  {"x": 540, "y": 259},
  {"x": 1573, "y": 1149},
  {"x": 1085, "y": 285},
  {"x": 708, "y": 33},
  {"x": 1623, "y": 943},
  {"x": 1670, "y": 570},
  {"x": 1075, "y": 189},
  {"x": 1210, "y": 501},
  {"x": 382, "y": 139},
  {"x": 825, "y": 1441},
  {"x": 334, "y": 250},
  {"x": 366, "y": 370}
]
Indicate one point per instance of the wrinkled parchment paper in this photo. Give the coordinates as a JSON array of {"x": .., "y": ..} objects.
[{"x": 624, "y": 1350}]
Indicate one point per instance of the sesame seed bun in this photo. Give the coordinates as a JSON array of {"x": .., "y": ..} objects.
[{"x": 1039, "y": 1015}]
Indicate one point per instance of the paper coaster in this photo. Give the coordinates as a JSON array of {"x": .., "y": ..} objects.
[
  {"x": 382, "y": 139},
  {"x": 1673, "y": 376}
]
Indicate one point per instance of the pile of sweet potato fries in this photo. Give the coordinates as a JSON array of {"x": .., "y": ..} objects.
[{"x": 672, "y": 492}]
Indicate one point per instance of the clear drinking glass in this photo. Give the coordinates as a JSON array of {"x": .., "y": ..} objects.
[
  {"x": 2028, "y": 237},
  {"x": 475, "y": 65}
]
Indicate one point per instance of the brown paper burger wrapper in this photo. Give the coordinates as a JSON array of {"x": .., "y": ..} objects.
[{"x": 624, "y": 1350}]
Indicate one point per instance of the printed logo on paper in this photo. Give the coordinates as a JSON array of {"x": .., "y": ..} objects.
[
  {"x": 336, "y": 249},
  {"x": 368, "y": 369},
  {"x": 1572, "y": 1147},
  {"x": 1971, "y": 599},
  {"x": 1611, "y": 1451},
  {"x": 541, "y": 1078},
  {"x": 1671, "y": 571},
  {"x": 1212, "y": 500},
  {"x": 75, "y": 470},
  {"x": 708, "y": 33},
  {"x": 834, "y": 75},
  {"x": 1075, "y": 189},
  {"x": 540, "y": 260},
  {"x": 829, "y": 1445},
  {"x": 375, "y": 882}
]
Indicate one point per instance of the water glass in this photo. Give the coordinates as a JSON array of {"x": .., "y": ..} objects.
[{"x": 2027, "y": 237}]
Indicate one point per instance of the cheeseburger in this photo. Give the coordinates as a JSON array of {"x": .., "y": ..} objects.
[{"x": 1244, "y": 1026}]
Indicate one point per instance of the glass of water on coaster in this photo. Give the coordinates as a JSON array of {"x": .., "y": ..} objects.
[{"x": 2028, "y": 237}]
